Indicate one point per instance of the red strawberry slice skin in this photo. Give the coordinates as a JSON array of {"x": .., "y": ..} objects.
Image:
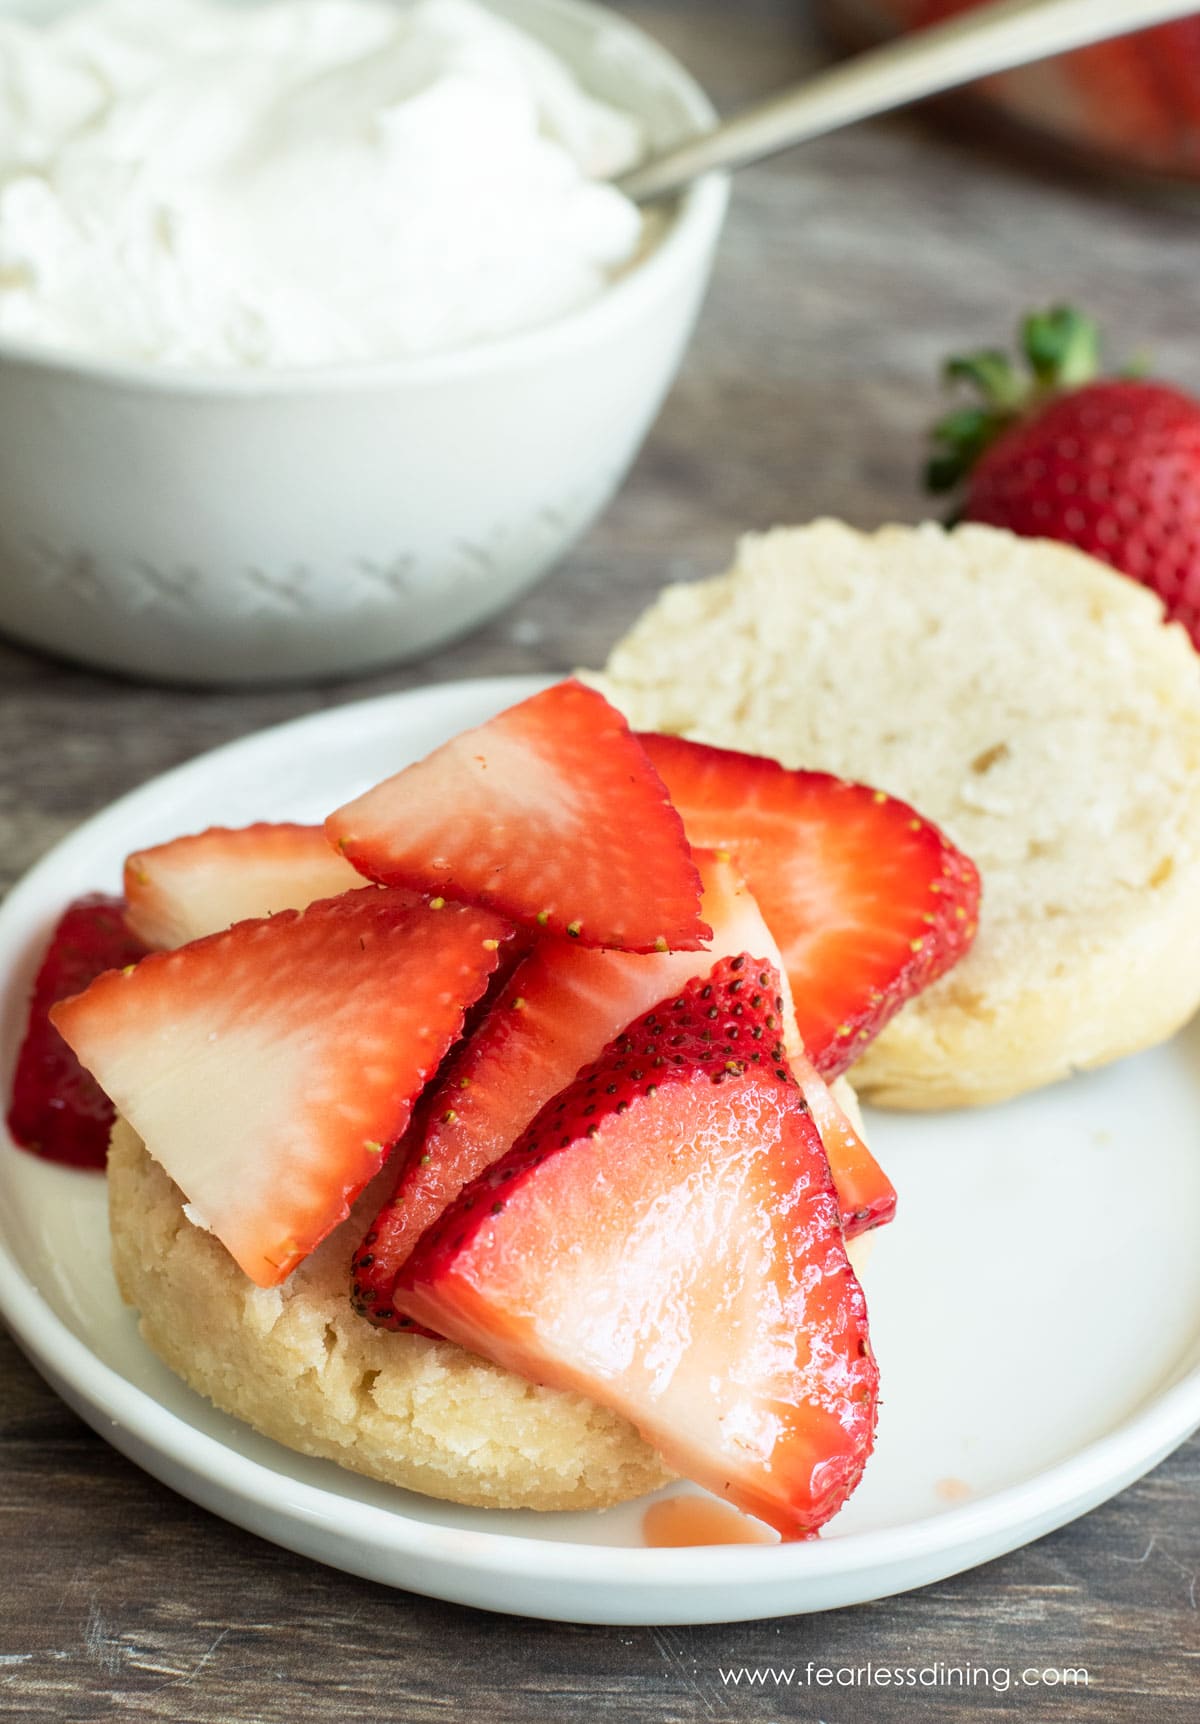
[
  {"x": 206, "y": 881},
  {"x": 270, "y": 1068},
  {"x": 665, "y": 1239},
  {"x": 559, "y": 1010},
  {"x": 58, "y": 1110},
  {"x": 868, "y": 901},
  {"x": 549, "y": 814}
]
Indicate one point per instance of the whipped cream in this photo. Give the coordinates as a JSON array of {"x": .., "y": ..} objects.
[{"x": 298, "y": 183}]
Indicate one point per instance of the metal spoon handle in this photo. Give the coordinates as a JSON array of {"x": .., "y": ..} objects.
[{"x": 972, "y": 45}]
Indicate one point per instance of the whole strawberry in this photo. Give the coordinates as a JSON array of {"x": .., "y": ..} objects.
[{"x": 1112, "y": 465}]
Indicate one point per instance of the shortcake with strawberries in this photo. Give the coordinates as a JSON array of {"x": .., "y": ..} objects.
[
  {"x": 483, "y": 1139},
  {"x": 493, "y": 1137}
]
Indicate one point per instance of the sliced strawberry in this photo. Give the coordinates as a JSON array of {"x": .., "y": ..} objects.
[
  {"x": 58, "y": 1110},
  {"x": 198, "y": 885},
  {"x": 866, "y": 1196},
  {"x": 561, "y": 1007},
  {"x": 270, "y": 1067},
  {"x": 549, "y": 814},
  {"x": 868, "y": 901},
  {"x": 665, "y": 1239}
]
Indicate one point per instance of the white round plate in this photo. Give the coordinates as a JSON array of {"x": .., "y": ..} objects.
[{"x": 1035, "y": 1307}]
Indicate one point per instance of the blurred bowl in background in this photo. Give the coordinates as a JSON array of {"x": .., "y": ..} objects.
[
  {"x": 252, "y": 527},
  {"x": 1133, "y": 102}
]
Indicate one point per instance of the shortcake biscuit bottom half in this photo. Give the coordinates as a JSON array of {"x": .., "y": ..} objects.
[{"x": 300, "y": 1366}]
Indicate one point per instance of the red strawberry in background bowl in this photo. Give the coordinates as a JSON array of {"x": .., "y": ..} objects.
[
  {"x": 1110, "y": 465},
  {"x": 1131, "y": 102}
]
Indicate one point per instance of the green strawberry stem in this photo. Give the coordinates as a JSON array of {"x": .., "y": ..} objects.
[{"x": 1061, "y": 349}]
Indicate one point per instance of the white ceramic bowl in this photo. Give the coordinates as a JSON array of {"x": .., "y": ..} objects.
[{"x": 207, "y": 527}]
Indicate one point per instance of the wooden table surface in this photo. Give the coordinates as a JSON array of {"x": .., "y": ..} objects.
[{"x": 847, "y": 271}]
